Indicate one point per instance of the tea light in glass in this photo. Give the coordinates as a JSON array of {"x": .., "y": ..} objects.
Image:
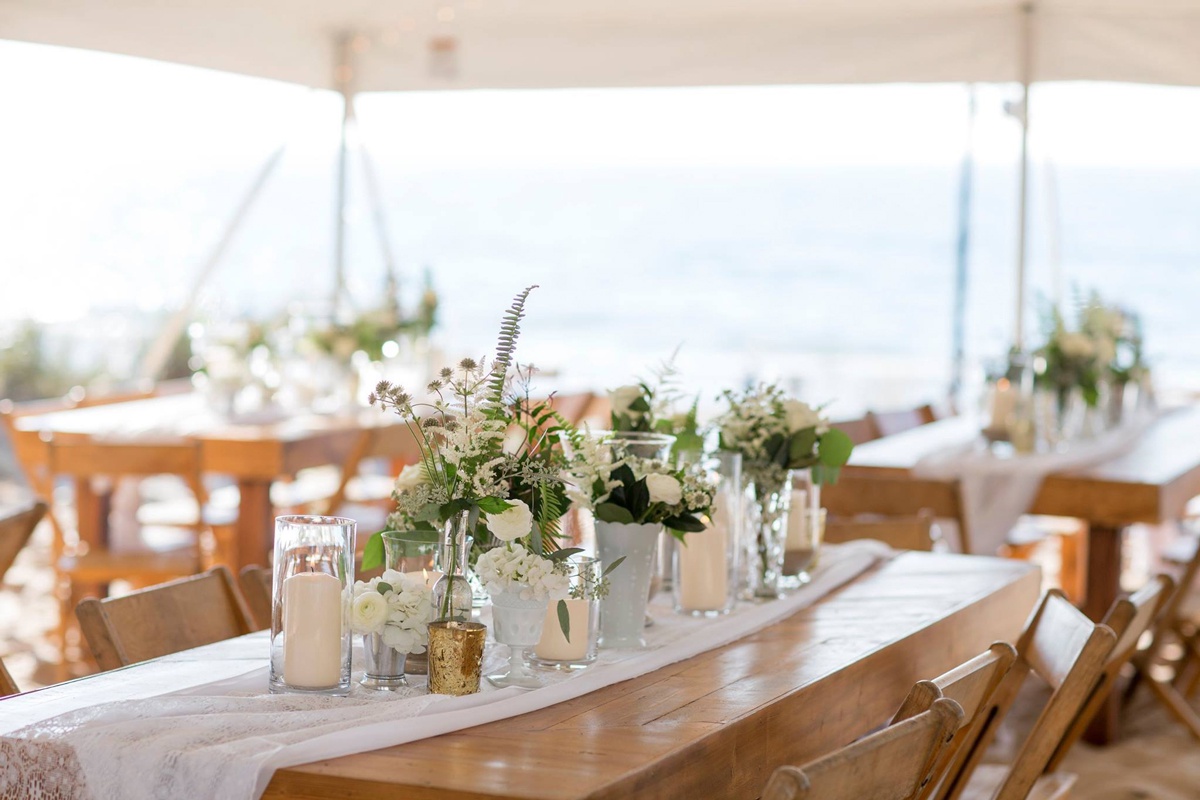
[{"x": 555, "y": 650}]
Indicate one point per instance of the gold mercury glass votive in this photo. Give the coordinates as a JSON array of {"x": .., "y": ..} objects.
[{"x": 455, "y": 657}]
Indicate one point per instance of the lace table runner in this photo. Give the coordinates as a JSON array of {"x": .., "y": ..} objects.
[{"x": 200, "y": 725}]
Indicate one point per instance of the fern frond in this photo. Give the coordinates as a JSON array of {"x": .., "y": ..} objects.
[{"x": 506, "y": 345}]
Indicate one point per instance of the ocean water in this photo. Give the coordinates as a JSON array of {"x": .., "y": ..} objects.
[{"x": 836, "y": 281}]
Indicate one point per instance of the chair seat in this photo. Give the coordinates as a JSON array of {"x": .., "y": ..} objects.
[
  {"x": 987, "y": 779},
  {"x": 102, "y": 566}
]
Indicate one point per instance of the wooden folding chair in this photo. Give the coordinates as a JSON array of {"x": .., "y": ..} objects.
[
  {"x": 16, "y": 526},
  {"x": 971, "y": 685},
  {"x": 255, "y": 583},
  {"x": 901, "y": 533},
  {"x": 860, "y": 430},
  {"x": 1068, "y": 651},
  {"x": 1129, "y": 618},
  {"x": 164, "y": 619},
  {"x": 892, "y": 764},
  {"x": 1174, "y": 627},
  {"x": 853, "y": 495},
  {"x": 7, "y": 684},
  {"x": 890, "y": 423}
]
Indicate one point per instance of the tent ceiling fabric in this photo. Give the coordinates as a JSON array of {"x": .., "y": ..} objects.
[{"x": 475, "y": 44}]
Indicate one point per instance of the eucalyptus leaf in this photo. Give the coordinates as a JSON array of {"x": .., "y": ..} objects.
[
  {"x": 373, "y": 552},
  {"x": 612, "y": 566},
  {"x": 385, "y": 587},
  {"x": 564, "y": 619},
  {"x": 564, "y": 554}
]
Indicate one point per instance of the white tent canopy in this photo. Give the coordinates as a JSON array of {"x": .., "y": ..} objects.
[{"x": 471, "y": 44}]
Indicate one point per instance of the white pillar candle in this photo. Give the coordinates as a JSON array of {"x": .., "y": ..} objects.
[
  {"x": 704, "y": 568},
  {"x": 553, "y": 646},
  {"x": 312, "y": 630},
  {"x": 797, "y": 527},
  {"x": 1004, "y": 403}
]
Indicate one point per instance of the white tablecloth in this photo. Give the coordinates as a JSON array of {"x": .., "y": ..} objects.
[
  {"x": 996, "y": 491},
  {"x": 206, "y": 729}
]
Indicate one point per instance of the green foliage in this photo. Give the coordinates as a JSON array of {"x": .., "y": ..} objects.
[
  {"x": 373, "y": 552},
  {"x": 506, "y": 345},
  {"x": 30, "y": 369}
]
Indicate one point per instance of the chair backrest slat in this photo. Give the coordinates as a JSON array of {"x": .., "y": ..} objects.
[
  {"x": 7, "y": 684},
  {"x": 16, "y": 526},
  {"x": 164, "y": 619},
  {"x": 256, "y": 590},
  {"x": 892, "y": 764}
]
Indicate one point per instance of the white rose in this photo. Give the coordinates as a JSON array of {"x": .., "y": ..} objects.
[
  {"x": 664, "y": 489},
  {"x": 368, "y": 613},
  {"x": 410, "y": 478},
  {"x": 512, "y": 523},
  {"x": 623, "y": 397},
  {"x": 799, "y": 415}
]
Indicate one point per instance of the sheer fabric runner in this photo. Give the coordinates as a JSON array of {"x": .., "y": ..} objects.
[
  {"x": 200, "y": 724},
  {"x": 997, "y": 491}
]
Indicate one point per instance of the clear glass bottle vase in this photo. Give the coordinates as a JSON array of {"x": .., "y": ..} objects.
[{"x": 452, "y": 596}]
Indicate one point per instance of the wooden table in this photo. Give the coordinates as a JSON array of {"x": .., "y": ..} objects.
[
  {"x": 715, "y": 725},
  {"x": 255, "y": 454},
  {"x": 1149, "y": 483}
]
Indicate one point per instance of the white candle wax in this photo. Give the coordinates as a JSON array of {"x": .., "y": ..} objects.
[
  {"x": 1004, "y": 403},
  {"x": 704, "y": 568},
  {"x": 428, "y": 576},
  {"x": 312, "y": 630},
  {"x": 553, "y": 646},
  {"x": 797, "y": 527}
]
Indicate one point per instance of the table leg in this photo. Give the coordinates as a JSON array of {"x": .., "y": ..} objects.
[
  {"x": 1103, "y": 588},
  {"x": 255, "y": 530}
]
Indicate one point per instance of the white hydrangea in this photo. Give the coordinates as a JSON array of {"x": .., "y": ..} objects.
[{"x": 511, "y": 568}]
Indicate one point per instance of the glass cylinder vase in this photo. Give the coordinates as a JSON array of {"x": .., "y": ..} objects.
[
  {"x": 705, "y": 569},
  {"x": 452, "y": 595},
  {"x": 576, "y": 648},
  {"x": 623, "y": 608},
  {"x": 310, "y": 633},
  {"x": 770, "y": 496},
  {"x": 414, "y": 553},
  {"x": 805, "y": 530}
]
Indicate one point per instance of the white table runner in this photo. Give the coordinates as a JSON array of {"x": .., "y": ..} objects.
[
  {"x": 997, "y": 491},
  {"x": 204, "y": 728}
]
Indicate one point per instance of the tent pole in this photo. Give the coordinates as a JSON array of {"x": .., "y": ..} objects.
[
  {"x": 962, "y": 254},
  {"x": 343, "y": 80},
  {"x": 160, "y": 350},
  {"x": 1023, "y": 203}
]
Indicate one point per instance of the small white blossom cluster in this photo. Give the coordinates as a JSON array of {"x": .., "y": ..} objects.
[
  {"x": 401, "y": 614},
  {"x": 592, "y": 465},
  {"x": 512, "y": 568},
  {"x": 682, "y": 492}
]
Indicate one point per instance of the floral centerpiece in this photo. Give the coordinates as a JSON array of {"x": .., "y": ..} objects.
[
  {"x": 392, "y": 614},
  {"x": 651, "y": 407},
  {"x": 632, "y": 498},
  {"x": 776, "y": 435}
]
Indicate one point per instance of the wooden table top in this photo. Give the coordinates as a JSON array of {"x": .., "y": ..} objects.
[
  {"x": 715, "y": 725},
  {"x": 262, "y": 446},
  {"x": 1151, "y": 482}
]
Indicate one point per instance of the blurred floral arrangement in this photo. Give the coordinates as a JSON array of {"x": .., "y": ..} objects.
[
  {"x": 651, "y": 406},
  {"x": 1101, "y": 345},
  {"x": 370, "y": 331}
]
